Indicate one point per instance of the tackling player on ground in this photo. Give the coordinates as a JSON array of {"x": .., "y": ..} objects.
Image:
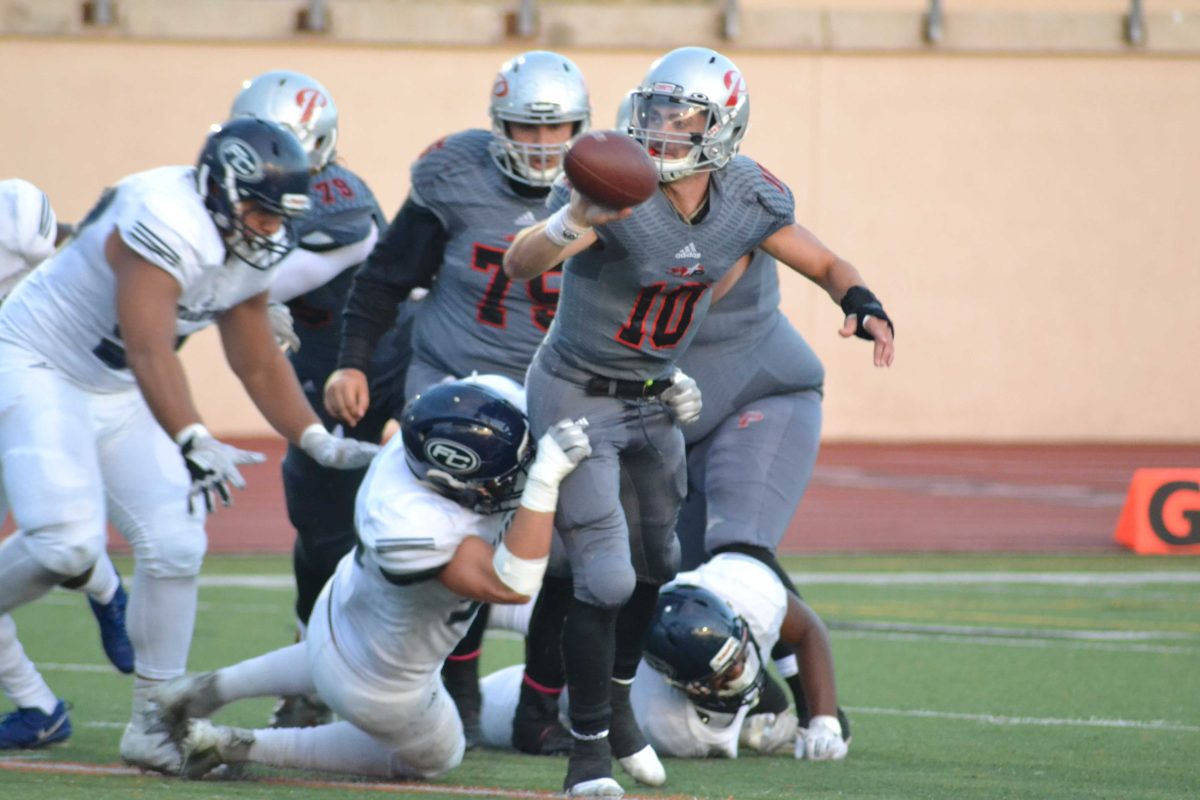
[
  {"x": 630, "y": 306},
  {"x": 435, "y": 540}
]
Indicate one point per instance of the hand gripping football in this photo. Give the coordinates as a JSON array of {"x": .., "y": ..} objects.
[{"x": 610, "y": 168}]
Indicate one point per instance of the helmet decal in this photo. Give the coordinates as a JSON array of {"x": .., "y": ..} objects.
[
  {"x": 452, "y": 456},
  {"x": 240, "y": 157},
  {"x": 311, "y": 100},
  {"x": 735, "y": 85},
  {"x": 500, "y": 87}
]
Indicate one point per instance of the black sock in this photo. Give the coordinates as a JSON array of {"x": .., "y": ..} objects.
[
  {"x": 588, "y": 649},
  {"x": 633, "y": 623},
  {"x": 543, "y": 642}
]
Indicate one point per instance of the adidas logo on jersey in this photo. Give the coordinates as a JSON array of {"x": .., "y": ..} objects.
[
  {"x": 525, "y": 220},
  {"x": 689, "y": 251}
]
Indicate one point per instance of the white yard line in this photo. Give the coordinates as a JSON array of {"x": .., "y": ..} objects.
[
  {"x": 1050, "y": 722},
  {"x": 1141, "y": 578}
]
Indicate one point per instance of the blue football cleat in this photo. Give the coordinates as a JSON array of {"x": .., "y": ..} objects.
[
  {"x": 32, "y": 727},
  {"x": 113, "y": 636}
]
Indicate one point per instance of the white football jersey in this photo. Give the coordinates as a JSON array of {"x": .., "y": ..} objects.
[
  {"x": 390, "y": 616},
  {"x": 66, "y": 311},
  {"x": 27, "y": 231},
  {"x": 672, "y": 724}
]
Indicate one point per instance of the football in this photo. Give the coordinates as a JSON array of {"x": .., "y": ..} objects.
[{"x": 610, "y": 168}]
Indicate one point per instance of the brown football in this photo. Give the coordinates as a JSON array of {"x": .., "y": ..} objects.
[{"x": 610, "y": 168}]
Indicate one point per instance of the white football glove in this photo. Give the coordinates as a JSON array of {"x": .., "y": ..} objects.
[
  {"x": 683, "y": 398},
  {"x": 768, "y": 733},
  {"x": 559, "y": 451},
  {"x": 283, "y": 327},
  {"x": 336, "y": 452},
  {"x": 212, "y": 464},
  {"x": 822, "y": 740}
]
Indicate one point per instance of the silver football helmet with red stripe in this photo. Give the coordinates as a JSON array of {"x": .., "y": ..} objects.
[
  {"x": 536, "y": 88},
  {"x": 299, "y": 103},
  {"x": 690, "y": 111}
]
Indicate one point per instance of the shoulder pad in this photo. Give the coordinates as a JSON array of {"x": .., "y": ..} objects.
[
  {"x": 747, "y": 177},
  {"x": 449, "y": 167}
]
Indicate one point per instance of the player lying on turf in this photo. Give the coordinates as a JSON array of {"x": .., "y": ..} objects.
[
  {"x": 701, "y": 688},
  {"x": 430, "y": 516}
]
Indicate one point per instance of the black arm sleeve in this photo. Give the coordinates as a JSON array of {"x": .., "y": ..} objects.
[{"x": 407, "y": 256}]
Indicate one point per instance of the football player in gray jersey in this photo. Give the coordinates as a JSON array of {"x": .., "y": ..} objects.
[
  {"x": 636, "y": 285},
  {"x": 471, "y": 193},
  {"x": 313, "y": 281}
]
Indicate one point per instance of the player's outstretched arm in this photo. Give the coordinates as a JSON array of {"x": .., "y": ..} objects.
[
  {"x": 146, "y": 297},
  {"x": 272, "y": 385},
  {"x": 802, "y": 252},
  {"x": 804, "y": 630},
  {"x": 512, "y": 572},
  {"x": 568, "y": 231}
]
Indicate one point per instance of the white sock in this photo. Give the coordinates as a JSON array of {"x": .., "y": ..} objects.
[
  {"x": 19, "y": 679},
  {"x": 161, "y": 616},
  {"x": 22, "y": 577},
  {"x": 280, "y": 672},
  {"x": 337, "y": 747},
  {"x": 103, "y": 583}
]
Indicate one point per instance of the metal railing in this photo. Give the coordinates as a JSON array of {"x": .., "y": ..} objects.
[{"x": 314, "y": 17}]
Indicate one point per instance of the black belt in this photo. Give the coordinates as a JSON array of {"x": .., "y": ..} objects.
[{"x": 626, "y": 390}]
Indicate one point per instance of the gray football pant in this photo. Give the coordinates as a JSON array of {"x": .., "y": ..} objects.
[
  {"x": 747, "y": 477},
  {"x": 594, "y": 518}
]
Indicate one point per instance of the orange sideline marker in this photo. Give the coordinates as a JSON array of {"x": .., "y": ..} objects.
[{"x": 1162, "y": 512}]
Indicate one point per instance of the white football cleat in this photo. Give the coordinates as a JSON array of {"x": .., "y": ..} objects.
[
  {"x": 207, "y": 746},
  {"x": 644, "y": 767},
  {"x": 597, "y": 787},
  {"x": 146, "y": 742}
]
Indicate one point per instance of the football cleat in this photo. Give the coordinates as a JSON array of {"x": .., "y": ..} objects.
[
  {"x": 644, "y": 767},
  {"x": 589, "y": 772},
  {"x": 31, "y": 727},
  {"x": 113, "y": 636},
  {"x": 207, "y": 746},
  {"x": 180, "y": 699},
  {"x": 146, "y": 743},
  {"x": 300, "y": 711}
]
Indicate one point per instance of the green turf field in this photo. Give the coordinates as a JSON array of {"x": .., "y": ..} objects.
[{"x": 964, "y": 676}]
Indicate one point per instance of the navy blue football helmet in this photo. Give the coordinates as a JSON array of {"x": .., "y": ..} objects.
[
  {"x": 253, "y": 160},
  {"x": 703, "y": 648},
  {"x": 470, "y": 442}
]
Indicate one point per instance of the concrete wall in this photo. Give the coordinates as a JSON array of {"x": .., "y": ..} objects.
[{"x": 1029, "y": 221}]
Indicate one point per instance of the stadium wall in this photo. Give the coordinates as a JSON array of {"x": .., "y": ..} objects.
[{"x": 1028, "y": 220}]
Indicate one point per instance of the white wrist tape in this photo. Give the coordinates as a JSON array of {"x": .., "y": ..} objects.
[
  {"x": 539, "y": 495},
  {"x": 311, "y": 435},
  {"x": 196, "y": 429},
  {"x": 522, "y": 575},
  {"x": 560, "y": 230}
]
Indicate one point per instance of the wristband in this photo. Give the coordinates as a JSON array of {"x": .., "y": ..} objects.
[
  {"x": 195, "y": 430},
  {"x": 522, "y": 575},
  {"x": 560, "y": 230},
  {"x": 862, "y": 302}
]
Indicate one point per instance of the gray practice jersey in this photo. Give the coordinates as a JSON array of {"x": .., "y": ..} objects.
[
  {"x": 746, "y": 349},
  {"x": 475, "y": 318},
  {"x": 632, "y": 302}
]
